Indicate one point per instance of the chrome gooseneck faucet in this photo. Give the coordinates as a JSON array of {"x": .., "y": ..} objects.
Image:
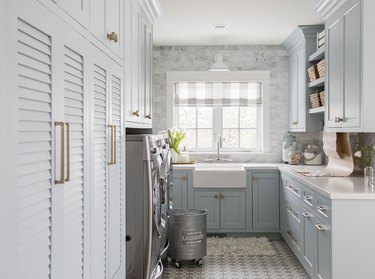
[{"x": 219, "y": 141}]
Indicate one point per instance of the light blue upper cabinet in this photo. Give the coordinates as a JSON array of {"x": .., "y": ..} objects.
[
  {"x": 265, "y": 200},
  {"x": 350, "y": 59},
  {"x": 300, "y": 44}
]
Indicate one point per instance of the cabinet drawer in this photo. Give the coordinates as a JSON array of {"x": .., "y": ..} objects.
[
  {"x": 309, "y": 199},
  {"x": 294, "y": 188},
  {"x": 294, "y": 237},
  {"x": 323, "y": 208},
  {"x": 293, "y": 214}
]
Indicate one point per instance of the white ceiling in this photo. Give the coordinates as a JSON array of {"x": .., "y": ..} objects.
[{"x": 189, "y": 22}]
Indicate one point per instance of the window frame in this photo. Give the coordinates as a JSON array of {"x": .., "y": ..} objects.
[{"x": 231, "y": 76}]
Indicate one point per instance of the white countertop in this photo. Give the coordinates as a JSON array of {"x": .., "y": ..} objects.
[
  {"x": 351, "y": 187},
  {"x": 332, "y": 187}
]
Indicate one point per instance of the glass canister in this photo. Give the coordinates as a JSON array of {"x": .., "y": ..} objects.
[
  {"x": 295, "y": 154},
  {"x": 287, "y": 145},
  {"x": 312, "y": 155}
]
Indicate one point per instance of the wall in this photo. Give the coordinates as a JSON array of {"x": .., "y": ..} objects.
[{"x": 238, "y": 58}]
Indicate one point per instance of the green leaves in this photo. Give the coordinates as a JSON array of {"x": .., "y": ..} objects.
[
  {"x": 367, "y": 153},
  {"x": 175, "y": 137}
]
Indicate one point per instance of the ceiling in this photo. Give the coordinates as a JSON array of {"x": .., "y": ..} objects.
[{"x": 250, "y": 22}]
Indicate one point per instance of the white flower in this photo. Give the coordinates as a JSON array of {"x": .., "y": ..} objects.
[{"x": 358, "y": 154}]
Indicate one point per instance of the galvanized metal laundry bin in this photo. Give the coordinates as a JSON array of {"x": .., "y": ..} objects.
[{"x": 187, "y": 234}]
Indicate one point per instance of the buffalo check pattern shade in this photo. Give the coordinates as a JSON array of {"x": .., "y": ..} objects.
[{"x": 217, "y": 94}]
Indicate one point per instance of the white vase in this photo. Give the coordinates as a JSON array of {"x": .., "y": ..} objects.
[{"x": 174, "y": 156}]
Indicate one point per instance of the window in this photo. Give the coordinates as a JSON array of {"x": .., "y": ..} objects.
[{"x": 209, "y": 106}]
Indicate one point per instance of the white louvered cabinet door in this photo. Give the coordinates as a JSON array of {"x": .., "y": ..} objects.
[
  {"x": 75, "y": 196},
  {"x": 116, "y": 179},
  {"x": 99, "y": 85},
  {"x": 107, "y": 233},
  {"x": 35, "y": 173}
]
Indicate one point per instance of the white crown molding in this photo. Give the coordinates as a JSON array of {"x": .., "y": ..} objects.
[
  {"x": 301, "y": 32},
  {"x": 152, "y": 8},
  {"x": 327, "y": 7}
]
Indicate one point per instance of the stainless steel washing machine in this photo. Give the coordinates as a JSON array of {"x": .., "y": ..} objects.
[{"x": 145, "y": 212}]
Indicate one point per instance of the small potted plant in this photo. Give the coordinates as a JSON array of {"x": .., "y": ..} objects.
[
  {"x": 175, "y": 138},
  {"x": 366, "y": 153}
]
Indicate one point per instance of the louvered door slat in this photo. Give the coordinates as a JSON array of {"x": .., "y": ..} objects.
[
  {"x": 99, "y": 189},
  {"x": 115, "y": 189},
  {"x": 74, "y": 189},
  {"x": 34, "y": 152}
]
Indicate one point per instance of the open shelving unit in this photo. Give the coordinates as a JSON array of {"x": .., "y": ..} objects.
[{"x": 317, "y": 84}]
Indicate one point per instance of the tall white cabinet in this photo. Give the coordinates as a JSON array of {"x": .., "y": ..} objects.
[
  {"x": 62, "y": 150},
  {"x": 138, "y": 109}
]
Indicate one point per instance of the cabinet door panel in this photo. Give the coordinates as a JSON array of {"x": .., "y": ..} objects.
[
  {"x": 78, "y": 9},
  {"x": 116, "y": 183},
  {"x": 265, "y": 200},
  {"x": 293, "y": 97},
  {"x": 323, "y": 252},
  {"x": 179, "y": 191},
  {"x": 147, "y": 111},
  {"x": 74, "y": 189},
  {"x": 232, "y": 210},
  {"x": 35, "y": 173},
  {"x": 309, "y": 241},
  {"x": 114, "y": 11},
  {"x": 352, "y": 67},
  {"x": 207, "y": 200},
  {"x": 335, "y": 72},
  {"x": 98, "y": 19},
  {"x": 99, "y": 172}
]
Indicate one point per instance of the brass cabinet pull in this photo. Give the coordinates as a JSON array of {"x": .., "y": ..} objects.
[
  {"x": 62, "y": 153},
  {"x": 254, "y": 178},
  {"x": 112, "y": 37},
  {"x": 114, "y": 144},
  {"x": 338, "y": 119},
  {"x": 307, "y": 198},
  {"x": 111, "y": 161},
  {"x": 294, "y": 122},
  {"x": 148, "y": 116},
  {"x": 184, "y": 178},
  {"x": 136, "y": 113},
  {"x": 321, "y": 208},
  {"x": 221, "y": 196},
  {"x": 67, "y": 151},
  {"x": 216, "y": 196},
  {"x": 291, "y": 210}
]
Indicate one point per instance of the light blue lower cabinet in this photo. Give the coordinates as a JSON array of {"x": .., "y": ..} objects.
[
  {"x": 323, "y": 250},
  {"x": 209, "y": 200},
  {"x": 226, "y": 209},
  {"x": 265, "y": 190},
  {"x": 179, "y": 190},
  {"x": 232, "y": 210},
  {"x": 303, "y": 227}
]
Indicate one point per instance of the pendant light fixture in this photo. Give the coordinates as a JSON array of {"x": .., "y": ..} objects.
[{"x": 219, "y": 65}]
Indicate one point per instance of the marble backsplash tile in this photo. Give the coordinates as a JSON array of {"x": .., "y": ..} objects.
[
  {"x": 239, "y": 58},
  {"x": 264, "y": 57}
]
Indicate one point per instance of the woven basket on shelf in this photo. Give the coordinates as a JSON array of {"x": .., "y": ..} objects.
[
  {"x": 321, "y": 68},
  {"x": 322, "y": 98},
  {"x": 314, "y": 100},
  {"x": 313, "y": 73}
]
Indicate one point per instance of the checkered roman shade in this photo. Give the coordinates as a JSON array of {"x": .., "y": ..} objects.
[{"x": 218, "y": 94}]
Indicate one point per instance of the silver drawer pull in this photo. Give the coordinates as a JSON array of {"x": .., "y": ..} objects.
[
  {"x": 292, "y": 188},
  {"x": 321, "y": 208},
  {"x": 307, "y": 198},
  {"x": 320, "y": 227},
  {"x": 292, "y": 237},
  {"x": 306, "y": 215},
  {"x": 291, "y": 210}
]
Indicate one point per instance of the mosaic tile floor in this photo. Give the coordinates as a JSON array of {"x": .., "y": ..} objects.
[{"x": 284, "y": 265}]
